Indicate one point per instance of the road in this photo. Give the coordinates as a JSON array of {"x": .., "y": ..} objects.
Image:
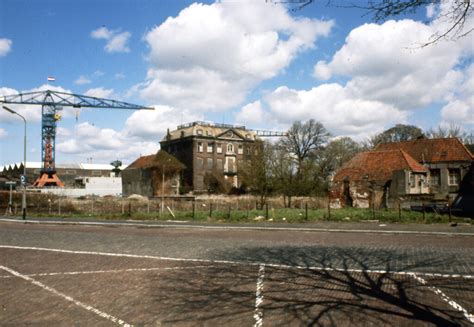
[{"x": 95, "y": 275}]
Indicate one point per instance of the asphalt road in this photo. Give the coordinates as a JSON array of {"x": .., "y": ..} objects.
[{"x": 94, "y": 275}]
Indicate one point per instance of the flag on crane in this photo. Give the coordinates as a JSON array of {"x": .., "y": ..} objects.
[{"x": 51, "y": 79}]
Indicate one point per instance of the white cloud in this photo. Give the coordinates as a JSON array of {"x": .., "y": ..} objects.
[
  {"x": 102, "y": 33},
  {"x": 154, "y": 123},
  {"x": 5, "y": 47},
  {"x": 3, "y": 133},
  {"x": 335, "y": 107},
  {"x": 431, "y": 10},
  {"x": 116, "y": 40},
  {"x": 384, "y": 65},
  {"x": 118, "y": 43},
  {"x": 210, "y": 56},
  {"x": 82, "y": 80},
  {"x": 100, "y": 92},
  {"x": 460, "y": 107},
  {"x": 251, "y": 114}
]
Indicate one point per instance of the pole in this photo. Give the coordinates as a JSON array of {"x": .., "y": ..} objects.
[
  {"x": 162, "y": 189},
  {"x": 23, "y": 199}
]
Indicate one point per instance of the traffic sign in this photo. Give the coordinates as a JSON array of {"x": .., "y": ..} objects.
[{"x": 23, "y": 179}]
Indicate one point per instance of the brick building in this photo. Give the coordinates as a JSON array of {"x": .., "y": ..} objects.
[
  {"x": 422, "y": 170},
  {"x": 208, "y": 149},
  {"x": 152, "y": 175}
]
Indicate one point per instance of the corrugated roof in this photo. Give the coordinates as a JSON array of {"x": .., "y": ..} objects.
[
  {"x": 377, "y": 166},
  {"x": 431, "y": 150}
]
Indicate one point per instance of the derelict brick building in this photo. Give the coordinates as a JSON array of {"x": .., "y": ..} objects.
[{"x": 208, "y": 148}]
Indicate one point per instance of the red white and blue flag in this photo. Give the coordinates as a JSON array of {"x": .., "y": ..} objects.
[{"x": 51, "y": 79}]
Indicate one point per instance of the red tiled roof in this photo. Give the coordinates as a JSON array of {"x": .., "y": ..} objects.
[
  {"x": 431, "y": 150},
  {"x": 377, "y": 166},
  {"x": 142, "y": 161}
]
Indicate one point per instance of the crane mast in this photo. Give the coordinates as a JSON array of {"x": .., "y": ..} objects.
[{"x": 51, "y": 103}]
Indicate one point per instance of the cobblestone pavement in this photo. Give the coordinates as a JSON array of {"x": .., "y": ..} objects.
[{"x": 66, "y": 275}]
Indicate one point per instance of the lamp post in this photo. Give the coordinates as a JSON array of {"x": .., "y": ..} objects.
[{"x": 23, "y": 180}]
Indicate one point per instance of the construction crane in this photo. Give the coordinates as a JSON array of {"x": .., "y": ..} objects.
[{"x": 52, "y": 102}]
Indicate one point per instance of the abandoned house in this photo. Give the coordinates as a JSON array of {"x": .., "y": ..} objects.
[
  {"x": 208, "y": 149},
  {"x": 421, "y": 170},
  {"x": 153, "y": 175}
]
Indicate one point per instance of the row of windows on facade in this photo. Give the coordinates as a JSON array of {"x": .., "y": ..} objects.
[
  {"x": 230, "y": 148},
  {"x": 454, "y": 177},
  {"x": 219, "y": 164}
]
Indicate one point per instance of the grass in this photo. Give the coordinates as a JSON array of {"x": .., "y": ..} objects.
[{"x": 274, "y": 215}]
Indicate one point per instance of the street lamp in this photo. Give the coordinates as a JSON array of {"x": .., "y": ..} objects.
[{"x": 23, "y": 199}]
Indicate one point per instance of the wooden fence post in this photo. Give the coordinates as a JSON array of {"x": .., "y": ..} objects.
[{"x": 306, "y": 211}]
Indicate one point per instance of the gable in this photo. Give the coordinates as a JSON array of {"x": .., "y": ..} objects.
[{"x": 230, "y": 134}]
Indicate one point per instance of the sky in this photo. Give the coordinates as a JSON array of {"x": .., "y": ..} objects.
[{"x": 248, "y": 62}]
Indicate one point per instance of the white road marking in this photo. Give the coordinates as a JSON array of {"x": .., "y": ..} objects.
[
  {"x": 241, "y": 263},
  {"x": 445, "y": 298},
  {"x": 286, "y": 229},
  {"x": 108, "y": 271},
  {"x": 67, "y": 297},
  {"x": 258, "y": 315}
]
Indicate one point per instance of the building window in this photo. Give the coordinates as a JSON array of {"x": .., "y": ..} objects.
[
  {"x": 70, "y": 172},
  {"x": 230, "y": 147},
  {"x": 435, "y": 177},
  {"x": 209, "y": 147},
  {"x": 220, "y": 165},
  {"x": 412, "y": 180},
  {"x": 200, "y": 147},
  {"x": 219, "y": 148},
  {"x": 208, "y": 133},
  {"x": 199, "y": 132},
  {"x": 210, "y": 163},
  {"x": 199, "y": 162},
  {"x": 240, "y": 149},
  {"x": 454, "y": 177},
  {"x": 96, "y": 173}
]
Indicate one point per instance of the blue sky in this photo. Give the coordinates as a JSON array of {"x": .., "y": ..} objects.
[{"x": 249, "y": 62}]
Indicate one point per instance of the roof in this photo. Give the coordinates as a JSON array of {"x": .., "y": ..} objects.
[
  {"x": 207, "y": 129},
  {"x": 158, "y": 160},
  {"x": 431, "y": 150},
  {"x": 378, "y": 166},
  {"x": 141, "y": 162}
]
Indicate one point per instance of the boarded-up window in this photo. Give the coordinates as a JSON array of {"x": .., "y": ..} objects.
[
  {"x": 200, "y": 147},
  {"x": 199, "y": 162},
  {"x": 240, "y": 149},
  {"x": 220, "y": 164},
  {"x": 210, "y": 163},
  {"x": 435, "y": 177}
]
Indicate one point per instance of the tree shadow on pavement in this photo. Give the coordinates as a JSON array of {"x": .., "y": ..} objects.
[{"x": 308, "y": 286}]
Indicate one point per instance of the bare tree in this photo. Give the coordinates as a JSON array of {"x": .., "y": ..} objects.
[
  {"x": 303, "y": 140},
  {"x": 455, "y": 16},
  {"x": 451, "y": 130}
]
